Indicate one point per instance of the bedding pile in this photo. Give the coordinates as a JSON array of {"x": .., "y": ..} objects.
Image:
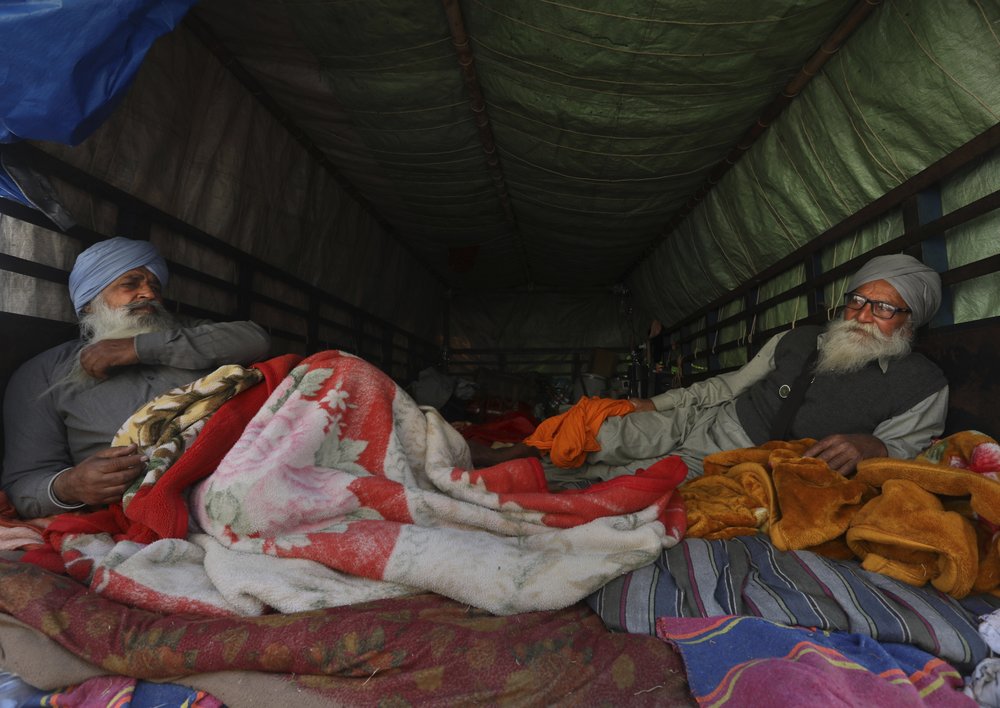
[
  {"x": 418, "y": 650},
  {"x": 933, "y": 519},
  {"x": 301, "y": 486},
  {"x": 747, "y": 576},
  {"x": 890, "y": 574},
  {"x": 340, "y": 490}
]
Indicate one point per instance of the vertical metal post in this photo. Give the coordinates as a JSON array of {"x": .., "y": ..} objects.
[
  {"x": 814, "y": 296},
  {"x": 934, "y": 250}
]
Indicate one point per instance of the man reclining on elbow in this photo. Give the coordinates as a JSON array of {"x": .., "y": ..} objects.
[{"x": 867, "y": 394}]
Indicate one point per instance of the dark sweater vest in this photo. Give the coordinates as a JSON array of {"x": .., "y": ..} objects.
[{"x": 835, "y": 403}]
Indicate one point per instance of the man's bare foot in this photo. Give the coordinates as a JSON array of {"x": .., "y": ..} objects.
[{"x": 486, "y": 456}]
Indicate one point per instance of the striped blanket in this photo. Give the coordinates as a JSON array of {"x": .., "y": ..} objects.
[{"x": 748, "y": 576}]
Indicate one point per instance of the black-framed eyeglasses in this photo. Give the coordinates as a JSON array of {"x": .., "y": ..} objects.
[{"x": 882, "y": 310}]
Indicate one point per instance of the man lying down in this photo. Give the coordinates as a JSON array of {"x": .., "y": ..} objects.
[{"x": 862, "y": 391}]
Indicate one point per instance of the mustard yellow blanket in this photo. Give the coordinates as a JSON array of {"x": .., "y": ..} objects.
[{"x": 931, "y": 519}]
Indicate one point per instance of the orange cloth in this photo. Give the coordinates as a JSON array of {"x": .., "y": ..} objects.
[{"x": 571, "y": 435}]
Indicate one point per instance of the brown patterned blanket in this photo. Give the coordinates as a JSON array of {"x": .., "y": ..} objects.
[{"x": 424, "y": 649}]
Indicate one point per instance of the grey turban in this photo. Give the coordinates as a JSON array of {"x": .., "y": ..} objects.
[
  {"x": 100, "y": 264},
  {"x": 918, "y": 284}
]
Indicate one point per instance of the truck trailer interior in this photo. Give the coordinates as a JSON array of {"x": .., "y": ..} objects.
[{"x": 504, "y": 206}]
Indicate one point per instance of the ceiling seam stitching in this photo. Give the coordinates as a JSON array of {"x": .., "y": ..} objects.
[{"x": 477, "y": 103}]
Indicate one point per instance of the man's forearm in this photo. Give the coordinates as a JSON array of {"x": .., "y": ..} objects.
[{"x": 204, "y": 346}]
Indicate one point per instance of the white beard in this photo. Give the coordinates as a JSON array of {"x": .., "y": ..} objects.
[
  {"x": 849, "y": 345},
  {"x": 103, "y": 322}
]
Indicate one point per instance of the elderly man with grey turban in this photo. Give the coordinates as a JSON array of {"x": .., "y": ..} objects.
[
  {"x": 63, "y": 407},
  {"x": 856, "y": 387}
]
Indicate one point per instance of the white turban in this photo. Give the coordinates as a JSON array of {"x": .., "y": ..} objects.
[
  {"x": 99, "y": 265},
  {"x": 919, "y": 285}
]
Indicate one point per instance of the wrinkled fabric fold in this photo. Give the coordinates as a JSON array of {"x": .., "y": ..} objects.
[
  {"x": 934, "y": 519},
  {"x": 569, "y": 436}
]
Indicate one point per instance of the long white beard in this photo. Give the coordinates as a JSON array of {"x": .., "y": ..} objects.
[
  {"x": 103, "y": 322},
  {"x": 849, "y": 345}
]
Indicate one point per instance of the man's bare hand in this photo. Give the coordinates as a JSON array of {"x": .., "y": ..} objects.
[
  {"x": 99, "y": 358},
  {"x": 843, "y": 452},
  {"x": 102, "y": 478}
]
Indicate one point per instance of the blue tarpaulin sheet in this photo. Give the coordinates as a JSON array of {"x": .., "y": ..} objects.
[
  {"x": 9, "y": 190},
  {"x": 65, "y": 65}
]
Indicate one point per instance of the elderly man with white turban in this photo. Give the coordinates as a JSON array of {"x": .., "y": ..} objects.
[
  {"x": 64, "y": 406},
  {"x": 856, "y": 387}
]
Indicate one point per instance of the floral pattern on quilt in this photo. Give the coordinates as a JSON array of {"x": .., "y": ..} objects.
[{"x": 340, "y": 490}]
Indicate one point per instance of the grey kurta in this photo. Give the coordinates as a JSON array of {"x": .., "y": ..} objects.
[{"x": 47, "y": 430}]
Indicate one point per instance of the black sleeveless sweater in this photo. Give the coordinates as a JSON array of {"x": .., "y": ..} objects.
[{"x": 835, "y": 403}]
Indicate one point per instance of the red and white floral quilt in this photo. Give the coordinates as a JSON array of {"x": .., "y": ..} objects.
[{"x": 340, "y": 489}]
